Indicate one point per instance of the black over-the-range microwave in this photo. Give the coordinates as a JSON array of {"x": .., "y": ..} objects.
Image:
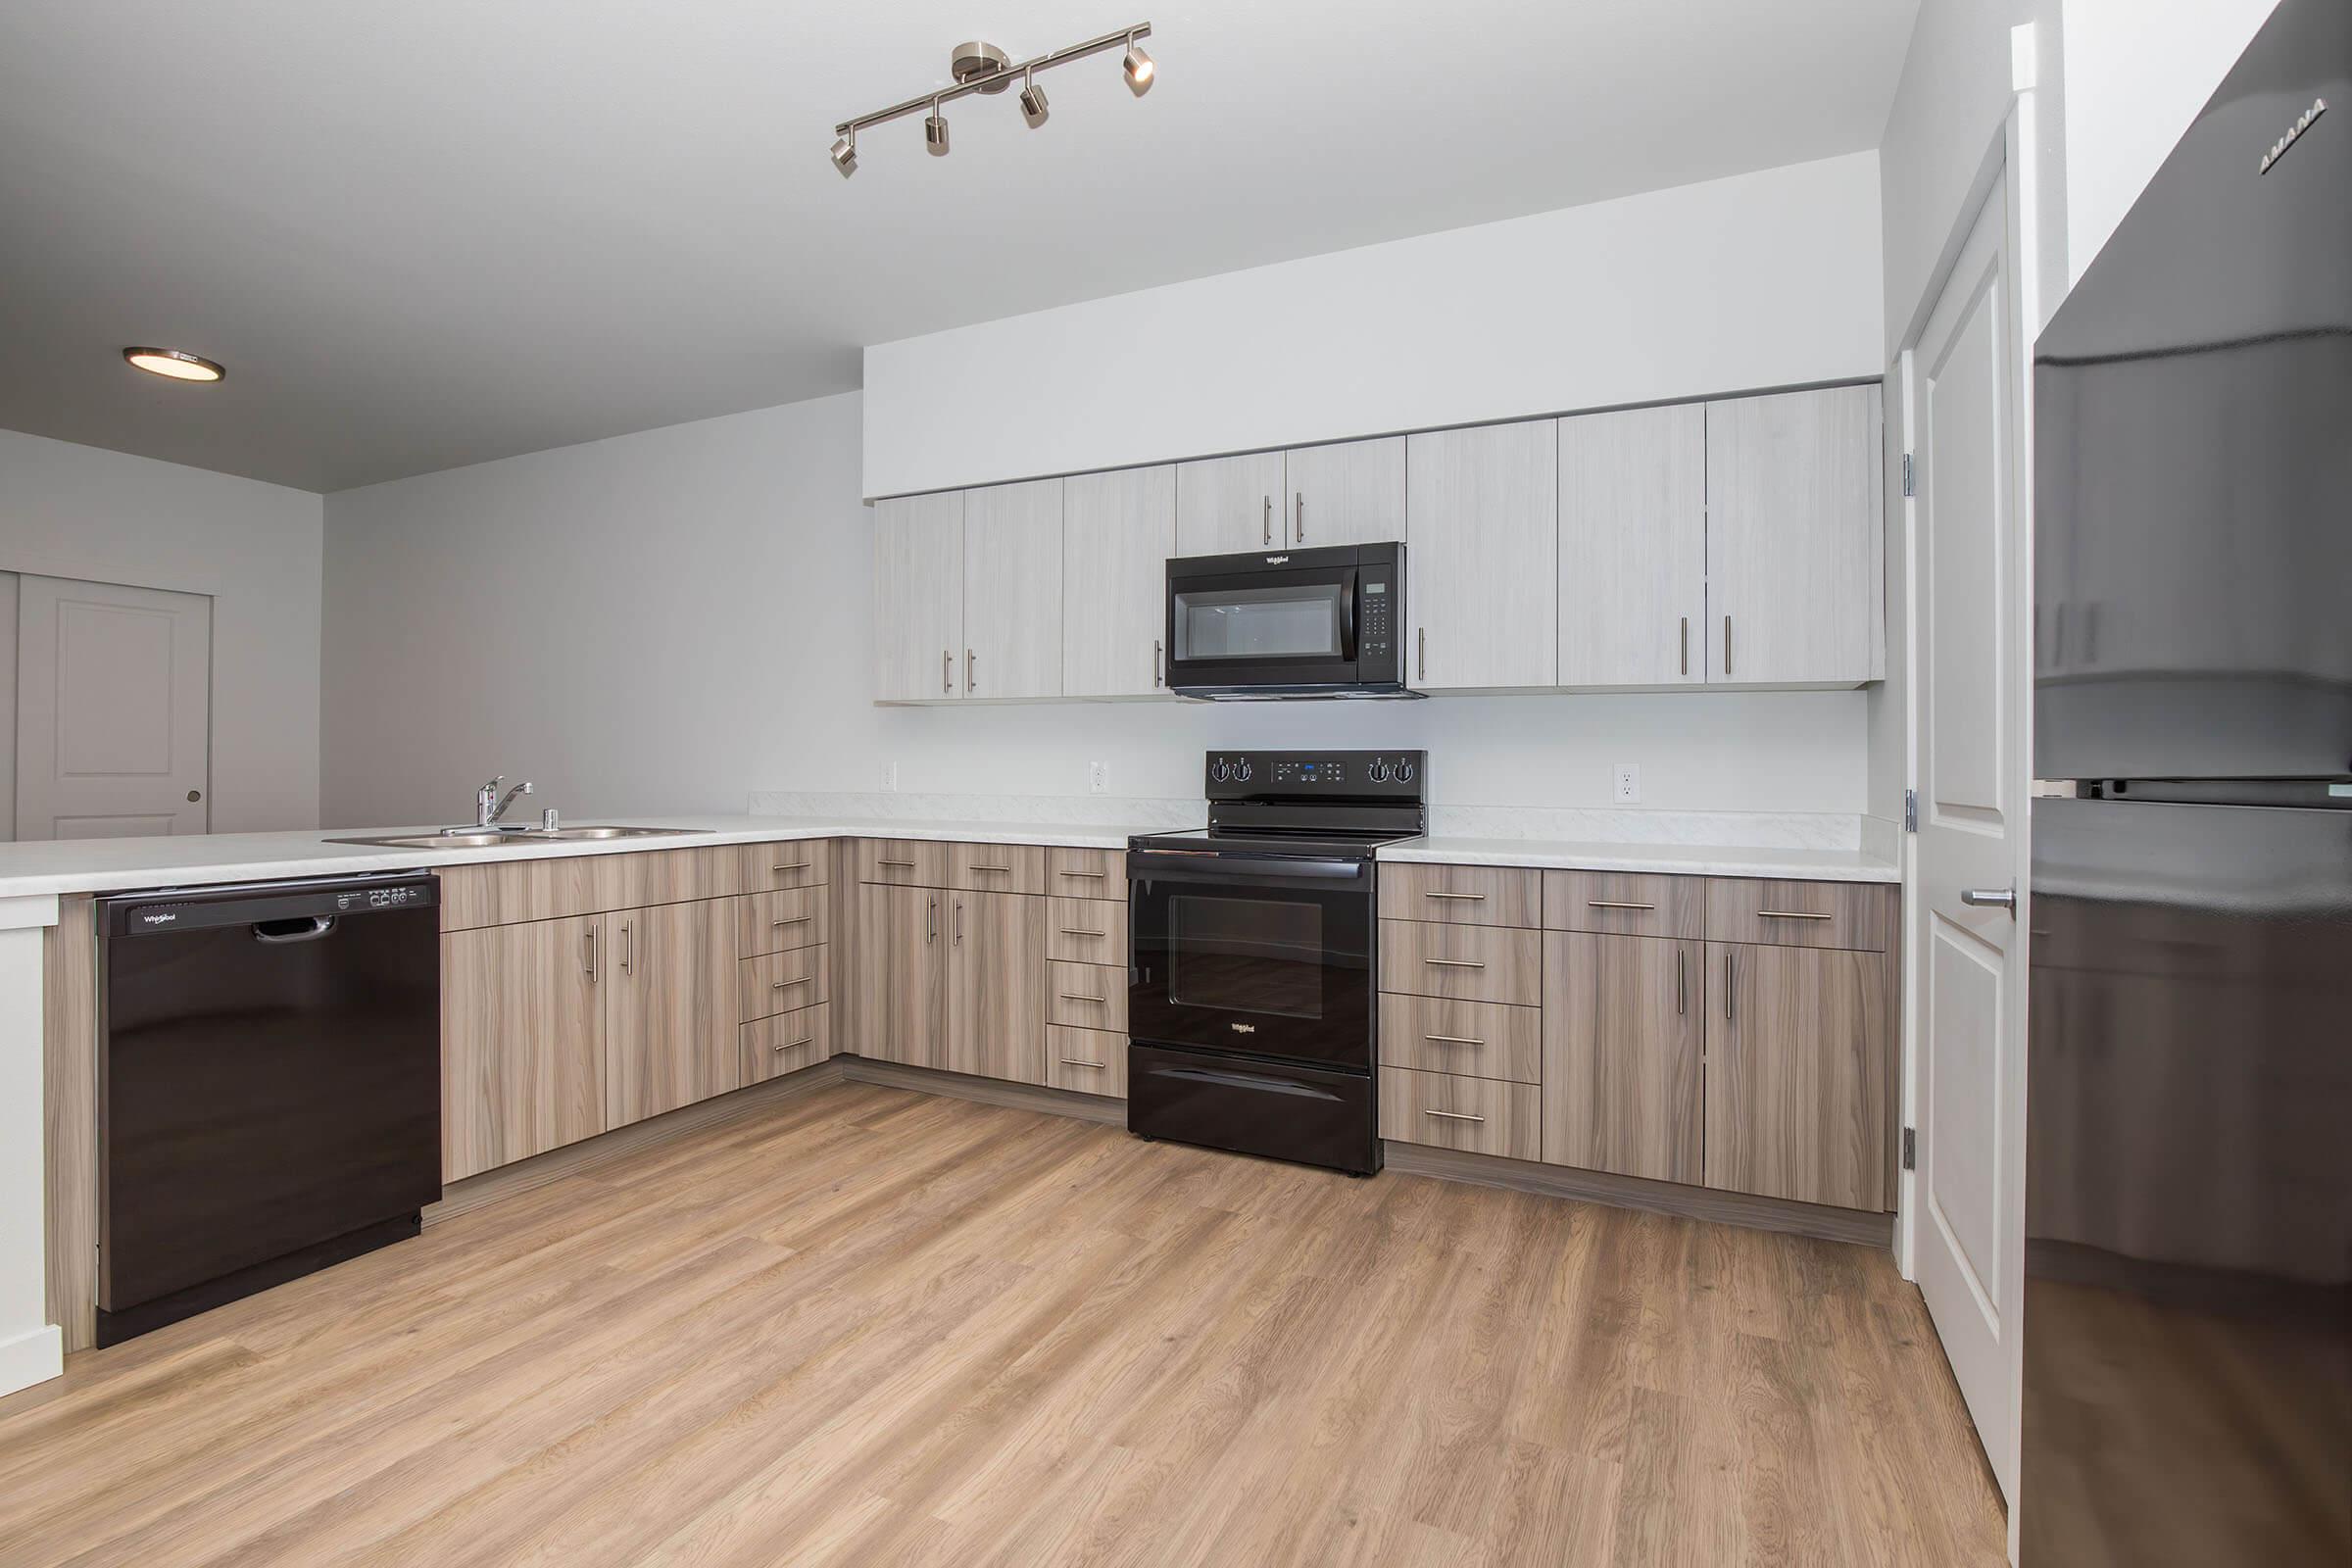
[{"x": 1289, "y": 623}]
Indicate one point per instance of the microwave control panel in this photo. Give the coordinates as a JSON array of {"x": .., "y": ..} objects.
[{"x": 1376, "y": 617}]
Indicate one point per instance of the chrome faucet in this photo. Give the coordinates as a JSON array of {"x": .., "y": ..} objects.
[{"x": 488, "y": 806}]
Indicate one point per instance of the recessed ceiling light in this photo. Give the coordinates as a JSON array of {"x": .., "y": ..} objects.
[{"x": 174, "y": 365}]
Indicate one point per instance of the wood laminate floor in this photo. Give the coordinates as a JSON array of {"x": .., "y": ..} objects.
[{"x": 865, "y": 1326}]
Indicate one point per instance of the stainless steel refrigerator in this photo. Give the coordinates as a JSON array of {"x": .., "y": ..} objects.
[{"x": 2187, "y": 1333}]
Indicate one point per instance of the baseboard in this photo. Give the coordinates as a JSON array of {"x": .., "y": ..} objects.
[
  {"x": 33, "y": 1356},
  {"x": 985, "y": 1090},
  {"x": 1634, "y": 1191},
  {"x": 491, "y": 1186}
]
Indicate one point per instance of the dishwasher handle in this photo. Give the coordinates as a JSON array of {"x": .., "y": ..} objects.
[{"x": 306, "y": 929}]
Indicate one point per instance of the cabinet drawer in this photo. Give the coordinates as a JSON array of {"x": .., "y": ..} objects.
[
  {"x": 1086, "y": 931},
  {"x": 1466, "y": 894},
  {"x": 1801, "y": 915},
  {"x": 998, "y": 868},
  {"x": 668, "y": 876},
  {"x": 786, "y": 1043},
  {"x": 510, "y": 893},
  {"x": 903, "y": 863},
  {"x": 1477, "y": 1115},
  {"x": 1627, "y": 904},
  {"x": 1087, "y": 996},
  {"x": 791, "y": 863},
  {"x": 1087, "y": 873},
  {"x": 1474, "y": 1039},
  {"x": 777, "y": 922},
  {"x": 779, "y": 982},
  {"x": 1468, "y": 963},
  {"x": 1093, "y": 1061}
]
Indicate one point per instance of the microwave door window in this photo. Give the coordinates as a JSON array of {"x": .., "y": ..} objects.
[
  {"x": 1254, "y": 624},
  {"x": 1245, "y": 955}
]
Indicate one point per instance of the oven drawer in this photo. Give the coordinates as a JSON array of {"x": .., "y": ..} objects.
[
  {"x": 1475, "y": 1039},
  {"x": 1086, "y": 873},
  {"x": 1476, "y": 1115},
  {"x": 1093, "y": 1061},
  {"x": 1467, "y": 962},
  {"x": 1086, "y": 996},
  {"x": 1630, "y": 903},
  {"x": 1086, "y": 931},
  {"x": 1465, "y": 895},
  {"x": 1254, "y": 1108}
]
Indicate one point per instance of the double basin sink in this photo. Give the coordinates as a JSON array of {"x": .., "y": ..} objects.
[{"x": 470, "y": 838}]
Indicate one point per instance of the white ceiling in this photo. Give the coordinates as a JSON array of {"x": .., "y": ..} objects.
[{"x": 422, "y": 233}]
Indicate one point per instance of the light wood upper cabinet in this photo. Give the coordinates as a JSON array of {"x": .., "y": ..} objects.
[
  {"x": 1793, "y": 539},
  {"x": 1797, "y": 1073},
  {"x": 1632, "y": 556},
  {"x": 1345, "y": 493},
  {"x": 671, "y": 980},
  {"x": 1624, "y": 1033},
  {"x": 522, "y": 1041},
  {"x": 996, "y": 985},
  {"x": 901, "y": 965},
  {"x": 918, "y": 597},
  {"x": 1482, "y": 523},
  {"x": 1118, "y": 531},
  {"x": 1012, "y": 591},
  {"x": 1228, "y": 504}
]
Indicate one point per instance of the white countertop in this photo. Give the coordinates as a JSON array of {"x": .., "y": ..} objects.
[
  {"x": 1683, "y": 859},
  {"x": 102, "y": 865}
]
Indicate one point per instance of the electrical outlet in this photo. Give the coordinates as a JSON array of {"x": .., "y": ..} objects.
[
  {"x": 1097, "y": 778},
  {"x": 1626, "y": 787},
  {"x": 889, "y": 776}
]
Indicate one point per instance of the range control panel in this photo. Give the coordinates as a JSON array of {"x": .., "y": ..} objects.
[{"x": 1316, "y": 776}]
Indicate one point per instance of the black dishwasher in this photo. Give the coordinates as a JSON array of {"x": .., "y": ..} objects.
[{"x": 268, "y": 1086}]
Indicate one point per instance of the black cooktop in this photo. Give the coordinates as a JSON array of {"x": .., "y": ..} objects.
[{"x": 1326, "y": 805}]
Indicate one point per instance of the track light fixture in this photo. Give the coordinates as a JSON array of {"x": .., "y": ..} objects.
[{"x": 986, "y": 68}]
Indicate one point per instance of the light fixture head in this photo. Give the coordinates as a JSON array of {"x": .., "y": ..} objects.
[
  {"x": 1139, "y": 68},
  {"x": 174, "y": 365},
  {"x": 935, "y": 133},
  {"x": 1033, "y": 101},
  {"x": 845, "y": 155}
]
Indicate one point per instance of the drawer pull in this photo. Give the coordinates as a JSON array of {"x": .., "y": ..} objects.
[
  {"x": 1454, "y": 964},
  {"x": 905, "y": 866},
  {"x": 1081, "y": 931},
  {"x": 1793, "y": 914},
  {"x": 1616, "y": 904},
  {"x": 797, "y": 919},
  {"x": 1466, "y": 897},
  {"x": 1074, "y": 996},
  {"x": 797, "y": 866},
  {"x": 796, "y": 1045},
  {"x": 1453, "y": 1040},
  {"x": 1097, "y": 876},
  {"x": 1453, "y": 1115},
  {"x": 782, "y": 985},
  {"x": 1007, "y": 869},
  {"x": 1075, "y": 1061}
]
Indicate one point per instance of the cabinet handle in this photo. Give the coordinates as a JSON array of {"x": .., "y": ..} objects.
[
  {"x": 1791, "y": 914},
  {"x": 959, "y": 923},
  {"x": 1269, "y": 528},
  {"x": 931, "y": 920},
  {"x": 1074, "y": 996},
  {"x": 1726, "y": 645},
  {"x": 589, "y": 936},
  {"x": 1453, "y": 1040},
  {"x": 1466, "y": 897},
  {"x": 969, "y": 659},
  {"x": 1453, "y": 1115},
  {"x": 1726, "y": 987},
  {"x": 1007, "y": 869},
  {"x": 1454, "y": 964},
  {"x": 1421, "y": 653},
  {"x": 786, "y": 985},
  {"x": 1097, "y": 876},
  {"x": 796, "y": 1045},
  {"x": 1686, "y": 645},
  {"x": 1299, "y": 527},
  {"x": 1078, "y": 1062},
  {"x": 1081, "y": 931},
  {"x": 1616, "y": 904},
  {"x": 797, "y": 866},
  {"x": 906, "y": 865},
  {"x": 1681, "y": 997},
  {"x": 628, "y": 948},
  {"x": 1158, "y": 670},
  {"x": 947, "y": 670},
  {"x": 797, "y": 919}
]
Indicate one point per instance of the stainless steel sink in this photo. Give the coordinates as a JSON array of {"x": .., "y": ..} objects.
[{"x": 466, "y": 838}]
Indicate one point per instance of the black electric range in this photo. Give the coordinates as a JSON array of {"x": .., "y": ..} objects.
[{"x": 1254, "y": 980}]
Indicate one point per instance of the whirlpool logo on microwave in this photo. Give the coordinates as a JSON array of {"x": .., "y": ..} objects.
[{"x": 1244, "y": 1028}]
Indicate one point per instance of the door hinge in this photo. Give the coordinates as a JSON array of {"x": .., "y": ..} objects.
[
  {"x": 1907, "y": 490},
  {"x": 1910, "y": 810},
  {"x": 1910, "y": 1149}
]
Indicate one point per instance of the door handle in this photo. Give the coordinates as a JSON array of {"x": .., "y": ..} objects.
[
  {"x": 970, "y": 684},
  {"x": 1158, "y": 670},
  {"x": 315, "y": 927},
  {"x": 947, "y": 670},
  {"x": 930, "y": 920},
  {"x": 589, "y": 936},
  {"x": 1299, "y": 521},
  {"x": 1269, "y": 521},
  {"x": 959, "y": 923},
  {"x": 628, "y": 948},
  {"x": 1990, "y": 899},
  {"x": 1681, "y": 996},
  {"x": 1726, "y": 645},
  {"x": 1421, "y": 654},
  {"x": 1726, "y": 987},
  {"x": 1686, "y": 645}
]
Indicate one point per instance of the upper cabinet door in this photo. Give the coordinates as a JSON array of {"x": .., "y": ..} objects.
[
  {"x": 1228, "y": 504},
  {"x": 1118, "y": 531},
  {"x": 1794, "y": 540},
  {"x": 1347, "y": 493},
  {"x": 1012, "y": 590},
  {"x": 1633, "y": 547},
  {"x": 1482, "y": 523},
  {"x": 918, "y": 597}
]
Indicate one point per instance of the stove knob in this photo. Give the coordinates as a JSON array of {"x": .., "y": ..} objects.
[
  {"x": 1380, "y": 771},
  {"x": 1221, "y": 770},
  {"x": 1241, "y": 770},
  {"x": 1405, "y": 772}
]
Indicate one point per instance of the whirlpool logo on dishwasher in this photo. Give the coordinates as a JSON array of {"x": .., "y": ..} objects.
[
  {"x": 1244, "y": 1028},
  {"x": 158, "y": 917}
]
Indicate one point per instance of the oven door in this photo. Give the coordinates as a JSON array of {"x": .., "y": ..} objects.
[
  {"x": 1265, "y": 955},
  {"x": 1245, "y": 628}
]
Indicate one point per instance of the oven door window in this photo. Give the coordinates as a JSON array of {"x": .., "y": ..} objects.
[
  {"x": 1245, "y": 955},
  {"x": 1251, "y": 625}
]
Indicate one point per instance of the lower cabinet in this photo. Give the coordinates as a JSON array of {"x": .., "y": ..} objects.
[
  {"x": 670, "y": 1008},
  {"x": 901, "y": 975},
  {"x": 954, "y": 980},
  {"x": 1624, "y": 1037},
  {"x": 522, "y": 1041},
  {"x": 1797, "y": 1073}
]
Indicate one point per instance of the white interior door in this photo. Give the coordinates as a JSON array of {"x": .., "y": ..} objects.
[
  {"x": 1968, "y": 1189},
  {"x": 113, "y": 710}
]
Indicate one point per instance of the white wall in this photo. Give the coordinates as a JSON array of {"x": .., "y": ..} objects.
[
  {"x": 1761, "y": 280},
  {"x": 669, "y": 620},
  {"x": 78, "y": 511}
]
